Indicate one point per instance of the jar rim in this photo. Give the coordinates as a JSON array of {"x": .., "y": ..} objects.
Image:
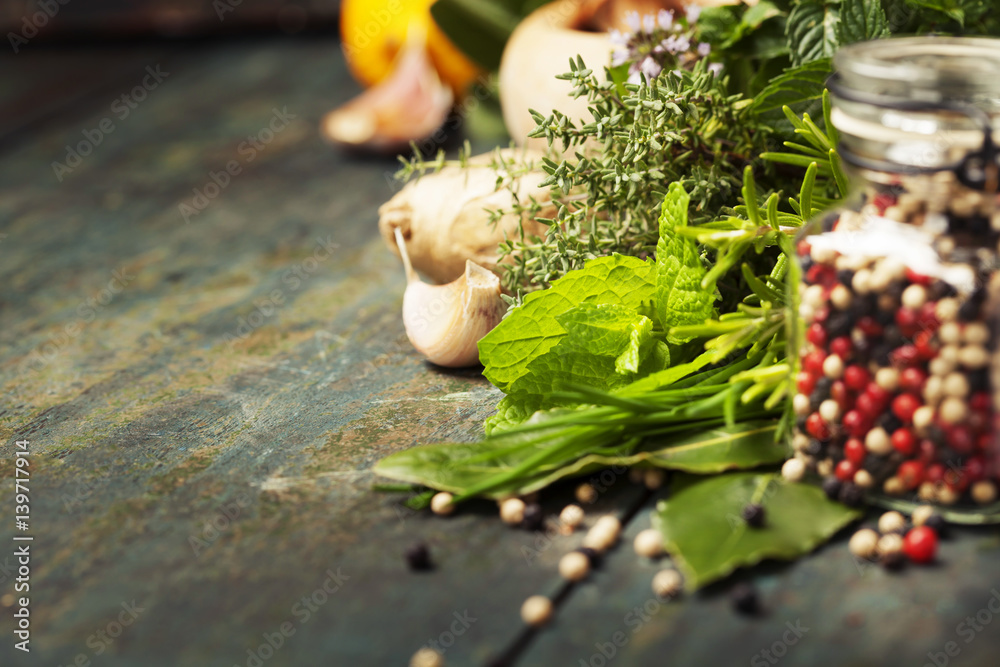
[{"x": 921, "y": 64}]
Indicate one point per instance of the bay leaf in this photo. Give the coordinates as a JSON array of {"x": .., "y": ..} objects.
[{"x": 703, "y": 530}]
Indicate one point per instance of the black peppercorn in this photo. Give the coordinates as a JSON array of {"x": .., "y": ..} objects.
[
  {"x": 831, "y": 487},
  {"x": 844, "y": 277},
  {"x": 753, "y": 514},
  {"x": 418, "y": 557},
  {"x": 880, "y": 353},
  {"x": 979, "y": 380},
  {"x": 892, "y": 560},
  {"x": 851, "y": 495},
  {"x": 885, "y": 317},
  {"x": 593, "y": 556},
  {"x": 937, "y": 523},
  {"x": 892, "y": 335},
  {"x": 889, "y": 422},
  {"x": 744, "y": 597},
  {"x": 839, "y": 324},
  {"x": 814, "y": 447},
  {"x": 829, "y": 220},
  {"x": 533, "y": 517},
  {"x": 941, "y": 289}
]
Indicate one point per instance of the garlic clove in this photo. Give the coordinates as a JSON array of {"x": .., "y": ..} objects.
[
  {"x": 446, "y": 322},
  {"x": 408, "y": 105}
]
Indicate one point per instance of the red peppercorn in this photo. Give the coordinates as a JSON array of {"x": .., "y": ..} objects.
[
  {"x": 869, "y": 327},
  {"x": 882, "y": 201},
  {"x": 868, "y": 406},
  {"x": 923, "y": 341},
  {"x": 927, "y": 316},
  {"x": 911, "y": 473},
  {"x": 821, "y": 275},
  {"x": 975, "y": 468},
  {"x": 856, "y": 377},
  {"x": 920, "y": 544},
  {"x": 855, "y": 423},
  {"x": 904, "y": 441},
  {"x": 842, "y": 347},
  {"x": 906, "y": 319},
  {"x": 839, "y": 393},
  {"x": 854, "y": 451},
  {"x": 956, "y": 480},
  {"x": 803, "y": 248},
  {"x": 904, "y": 405},
  {"x": 935, "y": 473},
  {"x": 912, "y": 379},
  {"x": 878, "y": 394},
  {"x": 821, "y": 314},
  {"x": 845, "y": 470},
  {"x": 813, "y": 362},
  {"x": 927, "y": 451},
  {"x": 816, "y": 427},
  {"x": 984, "y": 443},
  {"x": 918, "y": 278},
  {"x": 960, "y": 438},
  {"x": 905, "y": 355},
  {"x": 980, "y": 401},
  {"x": 805, "y": 382},
  {"x": 816, "y": 334}
]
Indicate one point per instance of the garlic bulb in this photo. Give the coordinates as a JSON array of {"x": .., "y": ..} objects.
[
  {"x": 445, "y": 322},
  {"x": 444, "y": 216},
  {"x": 408, "y": 106}
]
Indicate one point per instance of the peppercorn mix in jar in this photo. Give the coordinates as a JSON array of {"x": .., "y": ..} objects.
[{"x": 896, "y": 318}]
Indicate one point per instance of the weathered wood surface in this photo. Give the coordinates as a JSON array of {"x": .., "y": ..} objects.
[{"x": 236, "y": 373}]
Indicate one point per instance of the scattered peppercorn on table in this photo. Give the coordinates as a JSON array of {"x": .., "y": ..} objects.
[{"x": 205, "y": 355}]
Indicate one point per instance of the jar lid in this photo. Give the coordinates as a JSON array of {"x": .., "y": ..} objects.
[{"x": 929, "y": 69}]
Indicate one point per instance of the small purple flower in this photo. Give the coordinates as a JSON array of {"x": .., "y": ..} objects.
[
  {"x": 619, "y": 56},
  {"x": 704, "y": 49},
  {"x": 692, "y": 13},
  {"x": 715, "y": 68},
  {"x": 617, "y": 38},
  {"x": 648, "y": 23},
  {"x": 677, "y": 44},
  {"x": 665, "y": 19},
  {"x": 632, "y": 21},
  {"x": 650, "y": 68}
]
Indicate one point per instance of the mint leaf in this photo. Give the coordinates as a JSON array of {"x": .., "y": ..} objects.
[
  {"x": 861, "y": 20},
  {"x": 609, "y": 330},
  {"x": 511, "y": 411},
  {"x": 795, "y": 85},
  {"x": 532, "y": 330},
  {"x": 680, "y": 297},
  {"x": 812, "y": 30}
]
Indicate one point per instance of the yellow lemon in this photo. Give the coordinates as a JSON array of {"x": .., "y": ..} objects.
[{"x": 374, "y": 31}]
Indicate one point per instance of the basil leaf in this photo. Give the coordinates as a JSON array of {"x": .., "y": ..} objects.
[
  {"x": 461, "y": 468},
  {"x": 704, "y": 532}
]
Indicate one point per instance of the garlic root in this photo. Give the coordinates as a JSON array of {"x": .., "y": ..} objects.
[
  {"x": 444, "y": 221},
  {"x": 407, "y": 106},
  {"x": 445, "y": 322}
]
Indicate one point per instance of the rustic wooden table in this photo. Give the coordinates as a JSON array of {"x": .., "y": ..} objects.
[{"x": 205, "y": 390}]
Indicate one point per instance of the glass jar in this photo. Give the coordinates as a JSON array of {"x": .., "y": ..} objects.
[{"x": 896, "y": 320}]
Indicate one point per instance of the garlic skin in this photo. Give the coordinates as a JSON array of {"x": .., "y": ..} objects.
[
  {"x": 443, "y": 216},
  {"x": 407, "y": 106},
  {"x": 446, "y": 322},
  {"x": 537, "y": 51}
]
